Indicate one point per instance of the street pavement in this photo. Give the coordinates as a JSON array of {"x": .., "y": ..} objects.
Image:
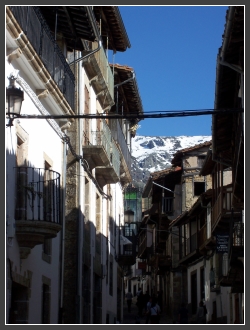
[{"x": 133, "y": 318}]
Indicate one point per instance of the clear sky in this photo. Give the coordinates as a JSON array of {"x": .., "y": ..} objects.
[{"x": 173, "y": 53}]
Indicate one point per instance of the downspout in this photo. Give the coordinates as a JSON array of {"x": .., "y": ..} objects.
[
  {"x": 133, "y": 77},
  {"x": 63, "y": 232},
  {"x": 80, "y": 204}
]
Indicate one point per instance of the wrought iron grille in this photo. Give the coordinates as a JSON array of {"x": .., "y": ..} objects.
[
  {"x": 38, "y": 195},
  {"x": 238, "y": 234}
]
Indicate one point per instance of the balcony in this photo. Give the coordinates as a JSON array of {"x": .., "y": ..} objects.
[
  {"x": 101, "y": 153},
  {"x": 100, "y": 75},
  {"x": 221, "y": 211},
  {"x": 38, "y": 207},
  {"x": 189, "y": 249},
  {"x": 205, "y": 241},
  {"x": 35, "y": 37},
  {"x": 110, "y": 173},
  {"x": 126, "y": 159}
]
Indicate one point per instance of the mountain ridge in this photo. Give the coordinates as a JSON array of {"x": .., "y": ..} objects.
[{"x": 155, "y": 153}]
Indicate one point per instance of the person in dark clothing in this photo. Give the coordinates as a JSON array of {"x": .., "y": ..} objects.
[
  {"x": 183, "y": 314},
  {"x": 129, "y": 300},
  {"x": 140, "y": 303},
  {"x": 154, "y": 312},
  {"x": 200, "y": 314}
]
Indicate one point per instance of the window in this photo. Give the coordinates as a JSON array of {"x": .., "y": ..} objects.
[
  {"x": 200, "y": 160},
  {"x": 47, "y": 250},
  {"x": 199, "y": 188},
  {"x": 45, "y": 304},
  {"x": 202, "y": 284},
  {"x": 167, "y": 205},
  {"x": 19, "y": 310}
]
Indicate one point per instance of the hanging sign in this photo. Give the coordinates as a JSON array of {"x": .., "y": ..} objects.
[{"x": 222, "y": 243}]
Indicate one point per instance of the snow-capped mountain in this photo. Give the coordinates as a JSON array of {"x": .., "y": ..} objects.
[{"x": 155, "y": 153}]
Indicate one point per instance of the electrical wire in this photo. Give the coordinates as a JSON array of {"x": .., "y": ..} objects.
[{"x": 136, "y": 115}]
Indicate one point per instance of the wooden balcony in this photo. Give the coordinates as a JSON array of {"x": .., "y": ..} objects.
[
  {"x": 205, "y": 242},
  {"x": 221, "y": 211},
  {"x": 38, "y": 207}
]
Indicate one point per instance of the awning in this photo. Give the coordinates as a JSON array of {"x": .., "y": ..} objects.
[{"x": 124, "y": 240}]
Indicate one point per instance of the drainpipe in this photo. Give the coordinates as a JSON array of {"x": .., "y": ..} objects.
[
  {"x": 63, "y": 232},
  {"x": 80, "y": 206},
  {"x": 133, "y": 77}
]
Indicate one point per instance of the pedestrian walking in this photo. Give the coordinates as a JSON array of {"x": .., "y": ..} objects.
[
  {"x": 183, "y": 314},
  {"x": 200, "y": 314},
  {"x": 129, "y": 300},
  {"x": 154, "y": 312}
]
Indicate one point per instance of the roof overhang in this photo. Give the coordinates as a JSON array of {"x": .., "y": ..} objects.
[
  {"x": 230, "y": 65},
  {"x": 129, "y": 97},
  {"x": 75, "y": 23}
]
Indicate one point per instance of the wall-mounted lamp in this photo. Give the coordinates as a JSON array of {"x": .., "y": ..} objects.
[{"x": 14, "y": 99}]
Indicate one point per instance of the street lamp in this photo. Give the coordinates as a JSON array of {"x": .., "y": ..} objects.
[{"x": 14, "y": 99}]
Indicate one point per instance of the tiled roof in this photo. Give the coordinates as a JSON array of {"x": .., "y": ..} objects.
[
  {"x": 197, "y": 146},
  {"x": 159, "y": 174},
  {"x": 181, "y": 152}
]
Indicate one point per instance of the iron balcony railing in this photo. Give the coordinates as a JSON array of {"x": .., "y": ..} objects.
[
  {"x": 115, "y": 158},
  {"x": 102, "y": 138},
  {"x": 119, "y": 137},
  {"x": 37, "y": 31},
  {"x": 37, "y": 195}
]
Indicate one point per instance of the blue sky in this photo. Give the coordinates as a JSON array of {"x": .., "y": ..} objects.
[{"x": 173, "y": 53}]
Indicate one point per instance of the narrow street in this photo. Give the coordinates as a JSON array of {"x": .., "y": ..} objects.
[{"x": 132, "y": 317}]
